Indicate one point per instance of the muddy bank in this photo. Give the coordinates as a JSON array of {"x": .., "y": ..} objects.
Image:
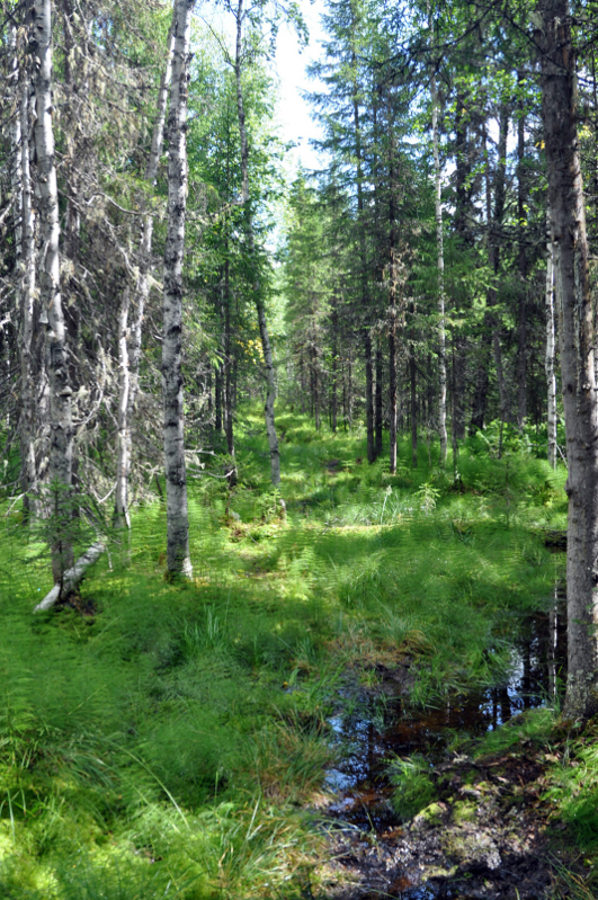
[
  {"x": 482, "y": 837},
  {"x": 479, "y": 830}
]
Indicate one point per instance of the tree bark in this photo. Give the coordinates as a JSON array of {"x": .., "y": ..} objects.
[
  {"x": 123, "y": 458},
  {"x": 522, "y": 348},
  {"x": 61, "y": 427},
  {"x": 379, "y": 409},
  {"x": 577, "y": 341},
  {"x": 551, "y": 417},
  {"x": 71, "y": 578},
  {"x": 130, "y": 336},
  {"x": 178, "y": 560},
  {"x": 413, "y": 404},
  {"x": 26, "y": 274},
  {"x": 392, "y": 390},
  {"x": 334, "y": 364},
  {"x": 228, "y": 372}
]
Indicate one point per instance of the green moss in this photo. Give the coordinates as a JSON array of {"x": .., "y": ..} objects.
[
  {"x": 463, "y": 811},
  {"x": 432, "y": 814}
]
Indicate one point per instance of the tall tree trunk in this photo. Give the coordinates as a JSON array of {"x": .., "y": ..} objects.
[
  {"x": 522, "y": 348},
  {"x": 369, "y": 392},
  {"x": 393, "y": 312},
  {"x": 551, "y": 418},
  {"x": 334, "y": 364},
  {"x": 219, "y": 389},
  {"x": 413, "y": 403},
  {"x": 379, "y": 409},
  {"x": 228, "y": 371},
  {"x": 130, "y": 334},
  {"x": 392, "y": 386},
  {"x": 26, "y": 275},
  {"x": 348, "y": 394},
  {"x": 269, "y": 368},
  {"x": 577, "y": 341},
  {"x": 442, "y": 378},
  {"x": 61, "y": 426},
  {"x": 178, "y": 560},
  {"x": 123, "y": 462}
]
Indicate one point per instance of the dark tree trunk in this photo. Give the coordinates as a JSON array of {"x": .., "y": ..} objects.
[
  {"x": 413, "y": 404},
  {"x": 379, "y": 418},
  {"x": 369, "y": 394},
  {"x": 577, "y": 341},
  {"x": 522, "y": 348},
  {"x": 334, "y": 366}
]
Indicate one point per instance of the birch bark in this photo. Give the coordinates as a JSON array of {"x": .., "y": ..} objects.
[
  {"x": 551, "y": 419},
  {"x": 177, "y": 557},
  {"x": 26, "y": 275},
  {"x": 130, "y": 335},
  {"x": 577, "y": 343},
  {"x": 61, "y": 428}
]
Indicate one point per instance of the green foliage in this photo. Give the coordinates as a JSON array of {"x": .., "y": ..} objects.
[
  {"x": 574, "y": 791},
  {"x": 535, "y": 726},
  {"x": 168, "y": 735},
  {"x": 413, "y": 789}
]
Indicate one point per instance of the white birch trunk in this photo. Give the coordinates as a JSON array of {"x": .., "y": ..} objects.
[
  {"x": 123, "y": 457},
  {"x": 71, "y": 578},
  {"x": 24, "y": 231},
  {"x": 129, "y": 340},
  {"x": 61, "y": 428},
  {"x": 27, "y": 288},
  {"x": 270, "y": 370},
  {"x": 550, "y": 351},
  {"x": 442, "y": 379},
  {"x": 178, "y": 561}
]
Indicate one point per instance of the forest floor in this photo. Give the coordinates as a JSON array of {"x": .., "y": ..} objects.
[
  {"x": 485, "y": 828},
  {"x": 354, "y": 698},
  {"x": 484, "y": 838}
]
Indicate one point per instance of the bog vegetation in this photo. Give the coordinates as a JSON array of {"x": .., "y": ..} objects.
[
  {"x": 219, "y": 574},
  {"x": 169, "y": 739}
]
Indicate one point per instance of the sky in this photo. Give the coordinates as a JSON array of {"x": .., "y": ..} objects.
[{"x": 293, "y": 112}]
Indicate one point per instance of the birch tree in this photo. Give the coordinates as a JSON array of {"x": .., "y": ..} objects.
[
  {"x": 551, "y": 417},
  {"x": 25, "y": 258},
  {"x": 178, "y": 560},
  {"x": 52, "y": 317},
  {"x": 130, "y": 333}
]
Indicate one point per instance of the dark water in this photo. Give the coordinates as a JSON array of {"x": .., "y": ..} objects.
[{"x": 369, "y": 735}]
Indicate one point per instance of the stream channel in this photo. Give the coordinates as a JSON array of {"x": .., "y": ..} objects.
[{"x": 479, "y": 838}]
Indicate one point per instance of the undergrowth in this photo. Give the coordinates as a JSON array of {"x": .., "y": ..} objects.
[{"x": 164, "y": 742}]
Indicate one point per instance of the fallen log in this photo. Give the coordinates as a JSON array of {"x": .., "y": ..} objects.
[{"x": 72, "y": 577}]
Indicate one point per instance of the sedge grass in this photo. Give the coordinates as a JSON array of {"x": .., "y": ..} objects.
[{"x": 171, "y": 737}]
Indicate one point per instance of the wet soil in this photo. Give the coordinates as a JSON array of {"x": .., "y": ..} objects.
[{"x": 482, "y": 831}]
